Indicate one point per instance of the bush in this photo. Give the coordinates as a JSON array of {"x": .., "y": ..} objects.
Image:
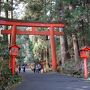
[
  {"x": 71, "y": 68},
  {"x": 6, "y": 78}
]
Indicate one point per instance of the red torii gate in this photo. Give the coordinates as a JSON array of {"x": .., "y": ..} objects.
[{"x": 51, "y": 32}]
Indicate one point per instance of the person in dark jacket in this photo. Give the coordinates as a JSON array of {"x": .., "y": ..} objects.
[
  {"x": 19, "y": 68},
  {"x": 24, "y": 68}
]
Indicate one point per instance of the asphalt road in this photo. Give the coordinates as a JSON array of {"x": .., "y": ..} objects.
[{"x": 51, "y": 81}]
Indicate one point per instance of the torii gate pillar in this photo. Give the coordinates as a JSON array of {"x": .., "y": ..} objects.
[
  {"x": 53, "y": 49},
  {"x": 13, "y": 42}
]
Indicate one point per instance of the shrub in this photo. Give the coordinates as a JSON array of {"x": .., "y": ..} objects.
[
  {"x": 71, "y": 68},
  {"x": 6, "y": 78}
]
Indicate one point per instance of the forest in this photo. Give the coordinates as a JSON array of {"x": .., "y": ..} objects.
[{"x": 75, "y": 14}]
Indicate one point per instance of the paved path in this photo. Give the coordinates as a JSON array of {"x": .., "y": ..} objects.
[{"x": 52, "y": 81}]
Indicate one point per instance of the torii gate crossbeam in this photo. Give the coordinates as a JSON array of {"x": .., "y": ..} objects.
[{"x": 51, "y": 32}]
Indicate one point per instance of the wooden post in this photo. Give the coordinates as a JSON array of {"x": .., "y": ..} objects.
[
  {"x": 13, "y": 65},
  {"x": 85, "y": 69}
]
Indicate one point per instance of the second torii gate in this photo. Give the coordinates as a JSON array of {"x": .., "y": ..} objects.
[{"x": 51, "y": 32}]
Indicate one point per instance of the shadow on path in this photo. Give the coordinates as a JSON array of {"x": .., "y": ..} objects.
[{"x": 51, "y": 81}]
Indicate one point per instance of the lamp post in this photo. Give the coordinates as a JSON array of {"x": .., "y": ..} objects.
[
  {"x": 84, "y": 54},
  {"x": 14, "y": 51}
]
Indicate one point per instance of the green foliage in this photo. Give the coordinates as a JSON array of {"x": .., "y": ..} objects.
[
  {"x": 71, "y": 1},
  {"x": 39, "y": 48},
  {"x": 31, "y": 46},
  {"x": 72, "y": 68},
  {"x": 77, "y": 19},
  {"x": 6, "y": 6},
  {"x": 6, "y": 78},
  {"x": 26, "y": 49},
  {"x": 4, "y": 51},
  {"x": 33, "y": 9}
]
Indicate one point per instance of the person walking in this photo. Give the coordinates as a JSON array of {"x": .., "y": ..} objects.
[
  {"x": 19, "y": 68},
  {"x": 38, "y": 68},
  {"x": 34, "y": 68},
  {"x": 24, "y": 68}
]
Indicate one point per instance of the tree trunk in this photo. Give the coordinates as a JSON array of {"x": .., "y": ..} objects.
[
  {"x": 46, "y": 58},
  {"x": 0, "y": 8},
  {"x": 5, "y": 36},
  {"x": 63, "y": 52},
  {"x": 12, "y": 9},
  {"x": 66, "y": 48},
  {"x": 75, "y": 47}
]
